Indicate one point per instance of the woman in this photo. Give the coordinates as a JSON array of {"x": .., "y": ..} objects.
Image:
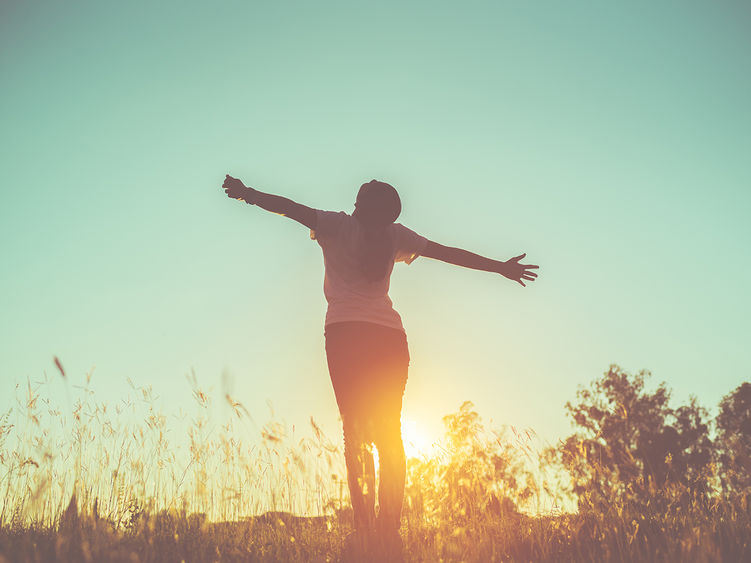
[{"x": 366, "y": 346}]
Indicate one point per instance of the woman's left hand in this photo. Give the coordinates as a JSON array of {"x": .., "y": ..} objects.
[{"x": 234, "y": 187}]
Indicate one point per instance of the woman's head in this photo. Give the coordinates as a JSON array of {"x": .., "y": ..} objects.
[{"x": 377, "y": 206}]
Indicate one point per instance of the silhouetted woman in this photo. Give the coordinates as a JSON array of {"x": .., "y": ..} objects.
[{"x": 366, "y": 346}]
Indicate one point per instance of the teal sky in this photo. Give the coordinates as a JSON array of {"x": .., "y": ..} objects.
[{"x": 610, "y": 142}]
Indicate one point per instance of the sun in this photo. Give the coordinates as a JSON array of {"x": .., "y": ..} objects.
[{"x": 416, "y": 442}]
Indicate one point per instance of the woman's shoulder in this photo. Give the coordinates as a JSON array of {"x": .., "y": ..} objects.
[
  {"x": 401, "y": 230},
  {"x": 333, "y": 215},
  {"x": 329, "y": 223},
  {"x": 408, "y": 245}
]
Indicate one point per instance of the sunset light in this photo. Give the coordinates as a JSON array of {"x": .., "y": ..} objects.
[{"x": 416, "y": 442}]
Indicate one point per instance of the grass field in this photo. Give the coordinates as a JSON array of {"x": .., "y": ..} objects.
[{"x": 128, "y": 483}]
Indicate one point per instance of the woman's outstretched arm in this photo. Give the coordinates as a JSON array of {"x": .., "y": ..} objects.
[
  {"x": 274, "y": 203},
  {"x": 510, "y": 269}
]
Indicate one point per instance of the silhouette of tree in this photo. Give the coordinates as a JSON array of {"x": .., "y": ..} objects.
[
  {"x": 694, "y": 449},
  {"x": 734, "y": 439},
  {"x": 631, "y": 444}
]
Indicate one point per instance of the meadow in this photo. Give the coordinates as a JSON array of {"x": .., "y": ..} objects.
[{"x": 95, "y": 482}]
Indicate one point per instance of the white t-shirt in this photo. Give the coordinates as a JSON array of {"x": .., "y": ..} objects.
[{"x": 350, "y": 295}]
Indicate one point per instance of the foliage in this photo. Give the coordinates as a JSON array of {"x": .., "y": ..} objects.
[
  {"x": 734, "y": 439},
  {"x": 98, "y": 486},
  {"x": 473, "y": 472},
  {"x": 632, "y": 446}
]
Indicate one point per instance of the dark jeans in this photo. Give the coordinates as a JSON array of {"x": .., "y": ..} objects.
[{"x": 368, "y": 368}]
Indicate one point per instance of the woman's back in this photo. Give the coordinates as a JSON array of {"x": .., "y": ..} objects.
[{"x": 351, "y": 295}]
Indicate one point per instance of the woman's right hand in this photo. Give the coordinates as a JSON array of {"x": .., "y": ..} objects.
[{"x": 517, "y": 272}]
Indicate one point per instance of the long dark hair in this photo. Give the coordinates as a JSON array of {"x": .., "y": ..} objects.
[{"x": 377, "y": 206}]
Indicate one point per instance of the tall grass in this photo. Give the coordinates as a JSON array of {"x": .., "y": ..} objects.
[
  {"x": 132, "y": 459},
  {"x": 87, "y": 481}
]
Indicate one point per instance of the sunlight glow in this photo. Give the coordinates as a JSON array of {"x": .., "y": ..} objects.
[{"x": 416, "y": 442}]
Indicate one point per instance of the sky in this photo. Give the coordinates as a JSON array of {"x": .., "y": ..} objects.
[{"x": 608, "y": 141}]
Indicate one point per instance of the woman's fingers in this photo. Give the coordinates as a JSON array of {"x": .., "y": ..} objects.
[
  {"x": 520, "y": 272},
  {"x": 229, "y": 181},
  {"x": 231, "y": 191},
  {"x": 232, "y": 186}
]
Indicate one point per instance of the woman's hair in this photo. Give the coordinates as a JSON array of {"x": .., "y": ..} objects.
[{"x": 377, "y": 206}]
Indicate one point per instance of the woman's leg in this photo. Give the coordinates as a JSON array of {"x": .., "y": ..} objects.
[
  {"x": 360, "y": 471},
  {"x": 391, "y": 458},
  {"x": 346, "y": 347},
  {"x": 368, "y": 367}
]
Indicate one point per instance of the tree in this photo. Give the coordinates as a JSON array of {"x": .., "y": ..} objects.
[
  {"x": 631, "y": 444},
  {"x": 734, "y": 439}
]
